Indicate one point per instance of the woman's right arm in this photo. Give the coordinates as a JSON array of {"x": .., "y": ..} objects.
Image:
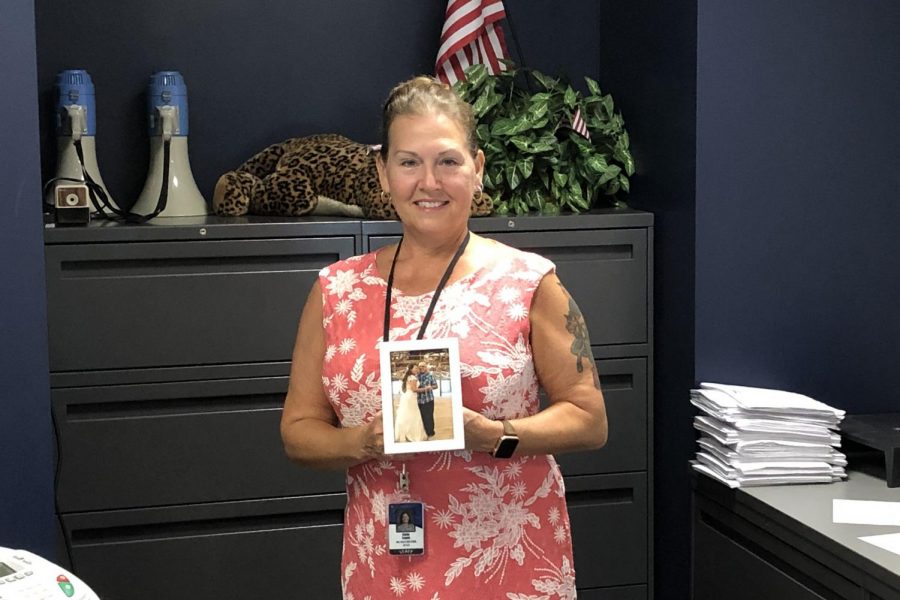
[{"x": 310, "y": 430}]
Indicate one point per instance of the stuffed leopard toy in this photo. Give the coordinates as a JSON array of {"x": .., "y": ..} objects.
[{"x": 320, "y": 174}]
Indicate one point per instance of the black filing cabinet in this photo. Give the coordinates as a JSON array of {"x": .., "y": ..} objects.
[{"x": 170, "y": 348}]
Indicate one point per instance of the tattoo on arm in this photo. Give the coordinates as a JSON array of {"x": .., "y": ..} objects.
[{"x": 581, "y": 345}]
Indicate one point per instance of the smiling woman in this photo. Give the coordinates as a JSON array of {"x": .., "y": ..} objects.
[
  {"x": 495, "y": 515},
  {"x": 429, "y": 164},
  {"x": 430, "y": 176}
]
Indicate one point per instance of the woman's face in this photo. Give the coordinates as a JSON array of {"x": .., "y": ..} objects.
[
  {"x": 404, "y": 518},
  {"x": 414, "y": 371},
  {"x": 430, "y": 173}
]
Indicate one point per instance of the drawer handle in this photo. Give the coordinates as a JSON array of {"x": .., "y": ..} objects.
[
  {"x": 587, "y": 253},
  {"x": 205, "y": 527},
  {"x": 600, "y": 497},
  {"x": 156, "y": 267},
  {"x": 100, "y": 411},
  {"x": 617, "y": 382}
]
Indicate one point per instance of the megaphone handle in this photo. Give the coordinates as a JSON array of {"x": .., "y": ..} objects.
[
  {"x": 77, "y": 121},
  {"x": 168, "y": 121}
]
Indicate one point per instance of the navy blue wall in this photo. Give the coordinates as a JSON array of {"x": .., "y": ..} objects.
[
  {"x": 648, "y": 51},
  {"x": 26, "y": 442},
  {"x": 798, "y": 182}
]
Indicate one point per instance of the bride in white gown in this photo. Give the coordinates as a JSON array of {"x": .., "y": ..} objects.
[{"x": 408, "y": 425}]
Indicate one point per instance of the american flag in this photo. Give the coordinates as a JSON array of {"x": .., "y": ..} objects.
[
  {"x": 579, "y": 126},
  {"x": 472, "y": 34}
]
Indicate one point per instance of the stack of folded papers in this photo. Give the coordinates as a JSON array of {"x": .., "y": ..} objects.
[{"x": 754, "y": 436}]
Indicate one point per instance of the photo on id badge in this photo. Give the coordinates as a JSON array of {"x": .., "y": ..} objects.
[
  {"x": 421, "y": 397},
  {"x": 406, "y": 528}
]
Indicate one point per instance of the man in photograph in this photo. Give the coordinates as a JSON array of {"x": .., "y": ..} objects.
[{"x": 427, "y": 385}]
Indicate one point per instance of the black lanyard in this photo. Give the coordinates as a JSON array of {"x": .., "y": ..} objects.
[{"x": 437, "y": 291}]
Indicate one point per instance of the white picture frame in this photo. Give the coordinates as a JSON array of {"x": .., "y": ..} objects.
[{"x": 442, "y": 355}]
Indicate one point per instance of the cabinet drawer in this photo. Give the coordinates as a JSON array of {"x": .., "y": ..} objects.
[
  {"x": 235, "y": 551},
  {"x": 721, "y": 563},
  {"x": 605, "y": 271},
  {"x": 609, "y": 529},
  {"x": 160, "y": 304},
  {"x": 760, "y": 558},
  {"x": 624, "y": 384},
  {"x": 128, "y": 446}
]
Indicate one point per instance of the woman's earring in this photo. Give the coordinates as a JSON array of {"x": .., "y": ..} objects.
[
  {"x": 477, "y": 195},
  {"x": 385, "y": 197}
]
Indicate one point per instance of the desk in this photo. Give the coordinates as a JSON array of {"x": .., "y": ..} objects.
[{"x": 777, "y": 542}]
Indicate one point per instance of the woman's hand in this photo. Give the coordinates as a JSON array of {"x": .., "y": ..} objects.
[
  {"x": 372, "y": 439},
  {"x": 481, "y": 432}
]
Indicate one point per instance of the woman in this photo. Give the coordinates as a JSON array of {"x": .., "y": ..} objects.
[
  {"x": 495, "y": 527},
  {"x": 405, "y": 524},
  {"x": 408, "y": 425}
]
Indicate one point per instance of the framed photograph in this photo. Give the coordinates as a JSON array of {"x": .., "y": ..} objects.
[{"x": 421, "y": 396}]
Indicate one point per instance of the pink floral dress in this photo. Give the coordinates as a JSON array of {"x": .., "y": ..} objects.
[{"x": 494, "y": 528}]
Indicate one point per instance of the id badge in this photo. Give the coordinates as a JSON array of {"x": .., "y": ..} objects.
[{"x": 406, "y": 527}]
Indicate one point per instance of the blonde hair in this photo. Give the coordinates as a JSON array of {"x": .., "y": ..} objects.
[{"x": 424, "y": 95}]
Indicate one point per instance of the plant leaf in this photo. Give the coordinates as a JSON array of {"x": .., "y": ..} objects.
[
  {"x": 546, "y": 82},
  {"x": 570, "y": 98},
  {"x": 544, "y": 176},
  {"x": 596, "y": 163},
  {"x": 607, "y": 104},
  {"x": 476, "y": 74},
  {"x": 483, "y": 133},
  {"x": 526, "y": 166},
  {"x": 521, "y": 143},
  {"x": 550, "y": 208},
  {"x": 576, "y": 196},
  {"x": 538, "y": 110},
  {"x": 611, "y": 173},
  {"x": 512, "y": 176},
  {"x": 504, "y": 127}
]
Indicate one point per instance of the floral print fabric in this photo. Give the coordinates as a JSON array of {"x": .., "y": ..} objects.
[{"x": 495, "y": 529}]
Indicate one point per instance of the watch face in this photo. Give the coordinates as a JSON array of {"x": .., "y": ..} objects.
[{"x": 506, "y": 447}]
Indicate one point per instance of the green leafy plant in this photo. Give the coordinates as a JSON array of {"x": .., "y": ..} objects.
[{"x": 534, "y": 160}]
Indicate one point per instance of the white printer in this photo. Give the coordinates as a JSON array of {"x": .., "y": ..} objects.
[{"x": 26, "y": 576}]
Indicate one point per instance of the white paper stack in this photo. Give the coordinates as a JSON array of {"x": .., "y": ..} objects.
[{"x": 754, "y": 436}]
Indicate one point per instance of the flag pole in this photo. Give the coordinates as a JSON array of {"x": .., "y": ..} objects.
[{"x": 512, "y": 32}]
